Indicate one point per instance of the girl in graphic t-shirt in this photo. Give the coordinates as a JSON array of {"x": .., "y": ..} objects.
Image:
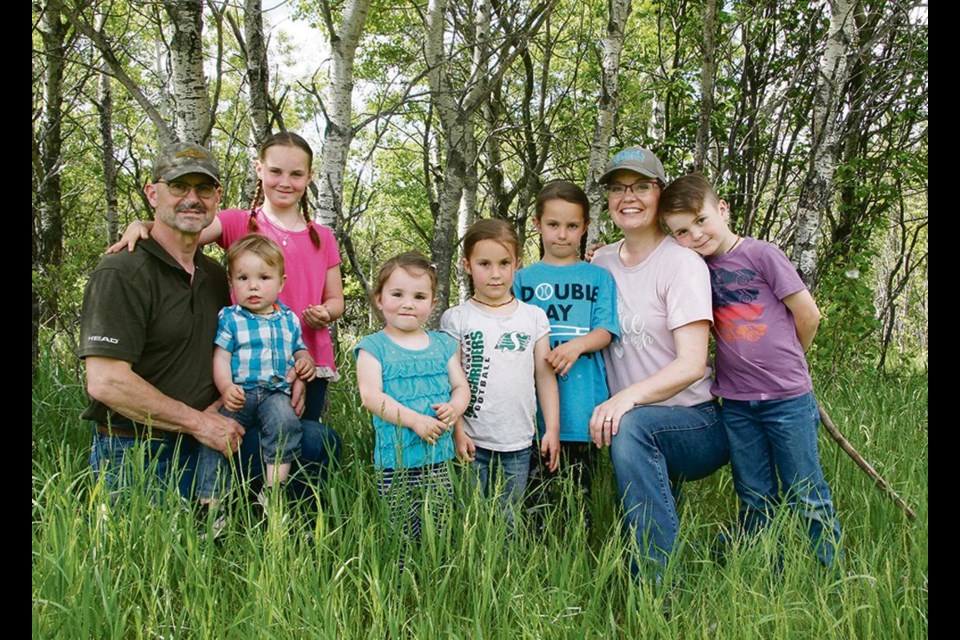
[{"x": 504, "y": 345}]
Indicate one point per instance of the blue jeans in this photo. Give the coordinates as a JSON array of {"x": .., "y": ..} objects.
[
  {"x": 773, "y": 451},
  {"x": 506, "y": 472},
  {"x": 655, "y": 450},
  {"x": 119, "y": 461},
  {"x": 176, "y": 457},
  {"x": 280, "y": 435}
]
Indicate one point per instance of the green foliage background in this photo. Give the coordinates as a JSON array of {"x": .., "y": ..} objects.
[
  {"x": 768, "y": 55},
  {"x": 329, "y": 569}
]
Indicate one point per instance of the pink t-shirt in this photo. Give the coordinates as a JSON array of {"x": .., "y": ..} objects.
[
  {"x": 306, "y": 268},
  {"x": 669, "y": 289}
]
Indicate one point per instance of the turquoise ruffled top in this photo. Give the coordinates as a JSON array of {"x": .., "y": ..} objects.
[{"x": 415, "y": 379}]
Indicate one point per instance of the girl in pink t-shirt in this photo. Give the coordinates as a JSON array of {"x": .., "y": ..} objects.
[{"x": 314, "y": 288}]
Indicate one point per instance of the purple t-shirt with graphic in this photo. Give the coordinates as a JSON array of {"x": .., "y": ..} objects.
[{"x": 759, "y": 356}]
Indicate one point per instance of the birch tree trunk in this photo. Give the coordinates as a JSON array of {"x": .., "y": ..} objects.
[
  {"x": 619, "y": 11},
  {"x": 109, "y": 164},
  {"x": 338, "y": 132},
  {"x": 707, "y": 75},
  {"x": 258, "y": 85},
  {"x": 816, "y": 192},
  {"x": 467, "y": 213},
  {"x": 258, "y": 73},
  {"x": 51, "y": 138},
  {"x": 193, "y": 114},
  {"x": 451, "y": 190},
  {"x": 47, "y": 211}
]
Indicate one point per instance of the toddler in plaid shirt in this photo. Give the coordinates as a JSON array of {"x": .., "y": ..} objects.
[{"x": 258, "y": 340}]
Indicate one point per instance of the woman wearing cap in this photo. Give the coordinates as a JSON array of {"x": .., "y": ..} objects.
[{"x": 661, "y": 422}]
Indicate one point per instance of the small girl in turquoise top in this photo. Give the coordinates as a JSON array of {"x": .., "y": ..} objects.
[{"x": 411, "y": 380}]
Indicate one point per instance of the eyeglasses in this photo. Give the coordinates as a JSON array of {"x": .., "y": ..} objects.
[
  {"x": 181, "y": 189},
  {"x": 639, "y": 188}
]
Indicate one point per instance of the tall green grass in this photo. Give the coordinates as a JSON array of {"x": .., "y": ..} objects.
[{"x": 329, "y": 569}]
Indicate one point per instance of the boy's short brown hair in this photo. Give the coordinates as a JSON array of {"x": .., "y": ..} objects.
[
  {"x": 260, "y": 246},
  {"x": 687, "y": 194}
]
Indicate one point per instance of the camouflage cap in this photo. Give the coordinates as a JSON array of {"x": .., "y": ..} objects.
[
  {"x": 636, "y": 159},
  {"x": 180, "y": 158}
]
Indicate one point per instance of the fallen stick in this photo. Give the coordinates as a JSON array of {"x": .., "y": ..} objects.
[{"x": 870, "y": 471}]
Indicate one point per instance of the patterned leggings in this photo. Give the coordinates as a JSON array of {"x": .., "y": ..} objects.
[{"x": 408, "y": 490}]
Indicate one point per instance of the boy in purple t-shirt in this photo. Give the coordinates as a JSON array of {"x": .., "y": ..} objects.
[{"x": 764, "y": 321}]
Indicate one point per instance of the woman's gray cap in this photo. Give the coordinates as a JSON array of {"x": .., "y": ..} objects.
[{"x": 636, "y": 159}]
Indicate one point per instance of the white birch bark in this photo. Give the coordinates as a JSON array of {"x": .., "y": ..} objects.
[
  {"x": 189, "y": 83},
  {"x": 467, "y": 213},
  {"x": 816, "y": 192},
  {"x": 50, "y": 135},
  {"x": 338, "y": 132},
  {"x": 451, "y": 190},
  {"x": 105, "y": 113},
  {"x": 618, "y": 12},
  {"x": 254, "y": 46},
  {"x": 47, "y": 210}
]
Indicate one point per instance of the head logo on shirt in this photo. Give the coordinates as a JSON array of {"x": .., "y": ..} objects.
[{"x": 513, "y": 341}]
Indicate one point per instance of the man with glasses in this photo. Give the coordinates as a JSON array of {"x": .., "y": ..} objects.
[{"x": 147, "y": 338}]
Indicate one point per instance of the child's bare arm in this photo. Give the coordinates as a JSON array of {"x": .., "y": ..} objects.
[
  {"x": 564, "y": 356},
  {"x": 140, "y": 230},
  {"x": 806, "y": 316},
  {"x": 333, "y": 292},
  {"x": 548, "y": 396},
  {"x": 304, "y": 365},
  {"x": 135, "y": 232},
  {"x": 465, "y": 448},
  {"x": 231, "y": 393},
  {"x": 370, "y": 385},
  {"x": 331, "y": 307},
  {"x": 451, "y": 411}
]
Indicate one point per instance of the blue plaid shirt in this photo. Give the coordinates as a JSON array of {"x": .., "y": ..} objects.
[{"x": 262, "y": 347}]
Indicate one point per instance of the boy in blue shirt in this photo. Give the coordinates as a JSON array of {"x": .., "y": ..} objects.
[{"x": 257, "y": 341}]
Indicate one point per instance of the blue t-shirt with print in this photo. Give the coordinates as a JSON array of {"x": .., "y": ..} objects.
[{"x": 577, "y": 299}]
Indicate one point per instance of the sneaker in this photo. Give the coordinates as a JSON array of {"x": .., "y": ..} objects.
[
  {"x": 219, "y": 525},
  {"x": 263, "y": 501},
  {"x": 267, "y": 512},
  {"x": 214, "y": 530}
]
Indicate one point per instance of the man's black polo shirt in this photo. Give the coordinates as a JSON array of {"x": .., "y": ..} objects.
[{"x": 142, "y": 308}]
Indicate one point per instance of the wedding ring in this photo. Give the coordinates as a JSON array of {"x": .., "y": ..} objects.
[{"x": 608, "y": 419}]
